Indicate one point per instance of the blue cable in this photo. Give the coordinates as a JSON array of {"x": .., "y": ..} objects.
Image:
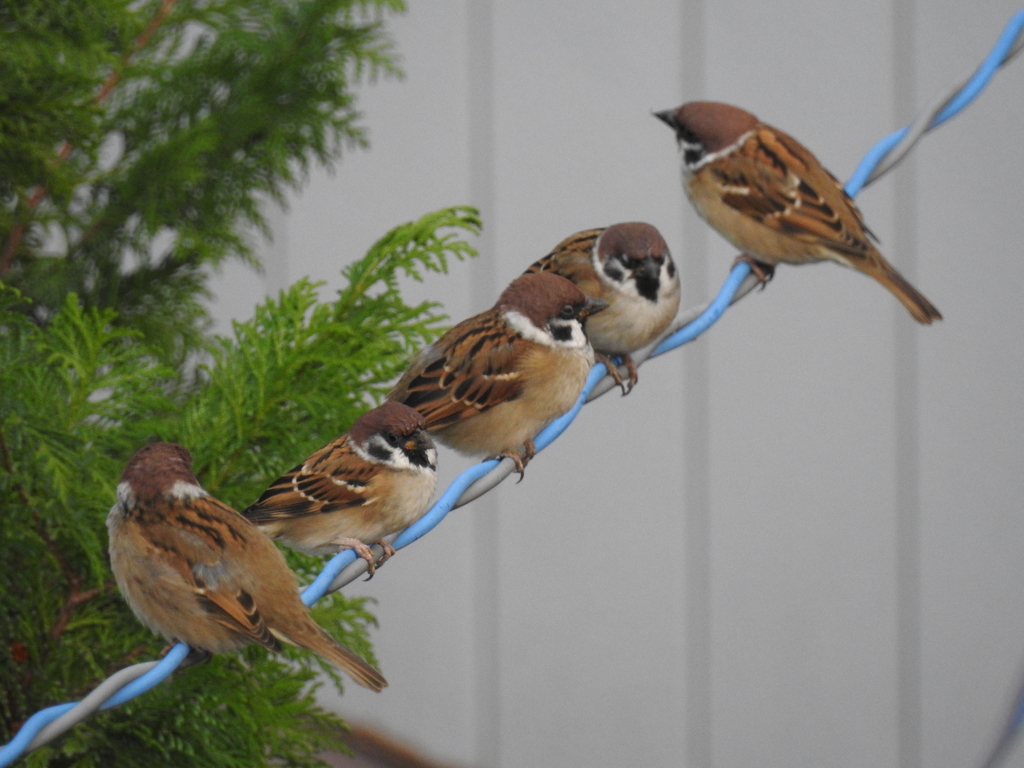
[
  {"x": 709, "y": 316},
  {"x": 13, "y": 749},
  {"x": 144, "y": 682},
  {"x": 967, "y": 94}
]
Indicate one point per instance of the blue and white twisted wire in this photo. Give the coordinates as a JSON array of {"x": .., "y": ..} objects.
[{"x": 49, "y": 723}]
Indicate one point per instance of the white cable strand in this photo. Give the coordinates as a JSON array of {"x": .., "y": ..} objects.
[
  {"x": 90, "y": 704},
  {"x": 925, "y": 121}
]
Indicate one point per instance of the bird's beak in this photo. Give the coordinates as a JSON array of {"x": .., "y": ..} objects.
[
  {"x": 419, "y": 441},
  {"x": 668, "y": 117},
  {"x": 592, "y": 307},
  {"x": 651, "y": 269},
  {"x": 419, "y": 448}
]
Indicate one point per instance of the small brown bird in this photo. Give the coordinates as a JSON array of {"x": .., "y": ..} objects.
[
  {"x": 194, "y": 570},
  {"x": 771, "y": 198},
  {"x": 629, "y": 266},
  {"x": 374, "y": 480},
  {"x": 494, "y": 381}
]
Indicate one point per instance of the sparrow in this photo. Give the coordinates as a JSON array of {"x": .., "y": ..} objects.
[
  {"x": 629, "y": 266},
  {"x": 374, "y": 480},
  {"x": 494, "y": 381},
  {"x": 771, "y": 198},
  {"x": 194, "y": 570}
]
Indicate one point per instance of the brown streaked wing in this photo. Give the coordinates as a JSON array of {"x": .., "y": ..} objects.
[
  {"x": 230, "y": 606},
  {"x": 197, "y": 532},
  {"x": 192, "y": 538},
  {"x": 808, "y": 206},
  {"x": 470, "y": 369},
  {"x": 236, "y": 610},
  {"x": 810, "y": 166},
  {"x": 332, "y": 479},
  {"x": 571, "y": 259}
]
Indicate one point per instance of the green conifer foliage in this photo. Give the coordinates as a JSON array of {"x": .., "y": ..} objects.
[
  {"x": 138, "y": 142},
  {"x": 81, "y": 393},
  {"x": 139, "y": 135}
]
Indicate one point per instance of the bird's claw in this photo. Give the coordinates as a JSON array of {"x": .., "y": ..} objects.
[
  {"x": 195, "y": 657},
  {"x": 763, "y": 271},
  {"x": 520, "y": 460},
  {"x": 613, "y": 371},
  {"x": 385, "y": 556},
  {"x": 361, "y": 550}
]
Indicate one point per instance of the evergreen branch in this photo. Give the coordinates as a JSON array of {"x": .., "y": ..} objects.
[
  {"x": 115, "y": 76},
  {"x": 73, "y": 579},
  {"x": 75, "y": 599},
  {"x": 18, "y": 231},
  {"x": 76, "y": 595}
]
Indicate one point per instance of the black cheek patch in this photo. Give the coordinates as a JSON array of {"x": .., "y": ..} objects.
[
  {"x": 647, "y": 287},
  {"x": 418, "y": 458},
  {"x": 692, "y": 156},
  {"x": 379, "y": 452},
  {"x": 614, "y": 271},
  {"x": 671, "y": 269},
  {"x": 561, "y": 332}
]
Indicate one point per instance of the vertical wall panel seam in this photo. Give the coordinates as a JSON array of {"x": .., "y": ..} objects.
[
  {"x": 277, "y": 254},
  {"x": 696, "y": 440},
  {"x": 486, "y": 693},
  {"x": 906, "y": 397}
]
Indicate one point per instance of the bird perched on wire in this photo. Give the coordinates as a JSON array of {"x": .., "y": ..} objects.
[
  {"x": 771, "y": 198},
  {"x": 194, "y": 570},
  {"x": 629, "y": 266},
  {"x": 374, "y": 480},
  {"x": 494, "y": 381}
]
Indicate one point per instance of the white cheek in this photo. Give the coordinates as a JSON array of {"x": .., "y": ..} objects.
[
  {"x": 125, "y": 497},
  {"x": 605, "y": 278},
  {"x": 186, "y": 491},
  {"x": 521, "y": 324},
  {"x": 578, "y": 339},
  {"x": 669, "y": 284},
  {"x": 399, "y": 460},
  {"x": 628, "y": 288}
]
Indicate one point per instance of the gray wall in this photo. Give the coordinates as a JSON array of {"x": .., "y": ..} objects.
[{"x": 797, "y": 543}]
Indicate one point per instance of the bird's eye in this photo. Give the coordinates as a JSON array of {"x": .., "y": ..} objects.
[
  {"x": 629, "y": 262},
  {"x": 568, "y": 312},
  {"x": 391, "y": 438},
  {"x": 687, "y": 135}
]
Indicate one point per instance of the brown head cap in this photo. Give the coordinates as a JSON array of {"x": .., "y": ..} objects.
[
  {"x": 715, "y": 125},
  {"x": 389, "y": 417},
  {"x": 154, "y": 468},
  {"x": 539, "y": 296},
  {"x": 633, "y": 238}
]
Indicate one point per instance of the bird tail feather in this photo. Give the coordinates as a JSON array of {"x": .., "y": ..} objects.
[
  {"x": 315, "y": 639},
  {"x": 911, "y": 298}
]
